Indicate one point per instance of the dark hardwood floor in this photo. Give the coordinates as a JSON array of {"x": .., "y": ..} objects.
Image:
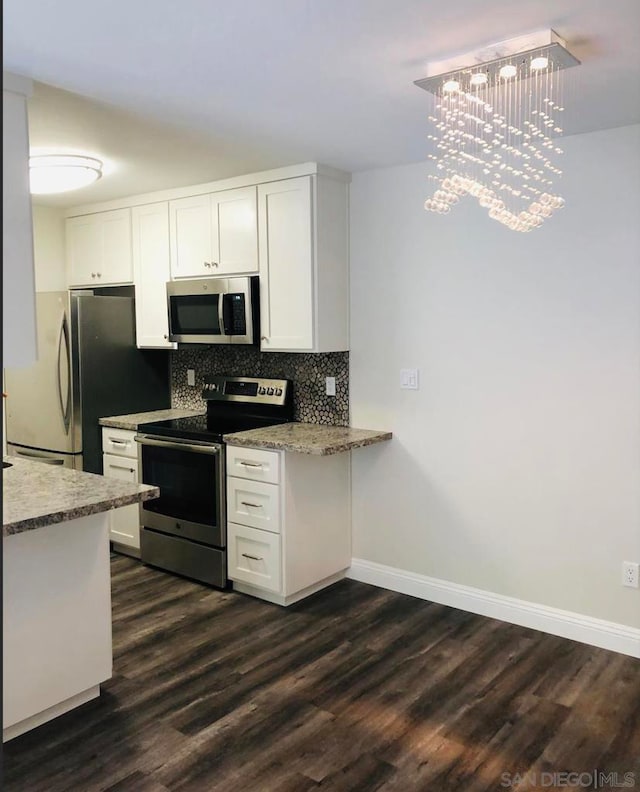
[{"x": 354, "y": 689}]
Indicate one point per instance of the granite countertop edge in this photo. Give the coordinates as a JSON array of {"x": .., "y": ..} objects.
[
  {"x": 307, "y": 438},
  {"x": 75, "y": 512},
  {"x": 36, "y": 495},
  {"x": 132, "y": 421}
]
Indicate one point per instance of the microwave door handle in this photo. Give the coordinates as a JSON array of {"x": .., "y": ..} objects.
[{"x": 223, "y": 329}]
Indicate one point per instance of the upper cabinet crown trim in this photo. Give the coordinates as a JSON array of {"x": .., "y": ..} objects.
[{"x": 249, "y": 179}]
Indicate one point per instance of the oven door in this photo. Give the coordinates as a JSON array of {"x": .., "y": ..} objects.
[{"x": 190, "y": 475}]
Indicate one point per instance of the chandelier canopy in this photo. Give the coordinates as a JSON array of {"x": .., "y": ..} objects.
[{"x": 496, "y": 128}]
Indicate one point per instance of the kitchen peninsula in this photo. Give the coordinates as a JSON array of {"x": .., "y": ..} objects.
[{"x": 56, "y": 588}]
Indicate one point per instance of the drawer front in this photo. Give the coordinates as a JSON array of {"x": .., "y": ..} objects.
[
  {"x": 124, "y": 523},
  {"x": 253, "y": 463},
  {"x": 118, "y": 467},
  {"x": 253, "y": 503},
  {"x": 119, "y": 441},
  {"x": 254, "y": 557}
]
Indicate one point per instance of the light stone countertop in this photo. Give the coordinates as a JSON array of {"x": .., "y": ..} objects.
[
  {"x": 134, "y": 420},
  {"x": 307, "y": 438},
  {"x": 36, "y": 494}
]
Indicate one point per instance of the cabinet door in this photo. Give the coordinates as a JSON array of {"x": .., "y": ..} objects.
[
  {"x": 117, "y": 260},
  {"x": 286, "y": 265},
  {"x": 151, "y": 271},
  {"x": 124, "y": 523},
  {"x": 99, "y": 249},
  {"x": 191, "y": 237},
  {"x": 84, "y": 250},
  {"x": 235, "y": 231}
]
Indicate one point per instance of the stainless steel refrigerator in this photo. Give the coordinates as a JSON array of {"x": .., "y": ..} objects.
[{"x": 88, "y": 367}]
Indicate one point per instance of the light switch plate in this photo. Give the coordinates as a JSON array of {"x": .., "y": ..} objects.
[
  {"x": 191, "y": 377},
  {"x": 409, "y": 379},
  {"x": 330, "y": 386}
]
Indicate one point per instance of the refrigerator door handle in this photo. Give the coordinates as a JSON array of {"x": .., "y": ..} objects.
[
  {"x": 40, "y": 458},
  {"x": 65, "y": 407}
]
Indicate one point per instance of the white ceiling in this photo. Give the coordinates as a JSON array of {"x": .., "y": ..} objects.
[{"x": 175, "y": 93}]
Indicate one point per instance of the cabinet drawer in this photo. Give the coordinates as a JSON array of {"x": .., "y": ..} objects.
[
  {"x": 253, "y": 503},
  {"x": 119, "y": 441},
  {"x": 124, "y": 523},
  {"x": 253, "y": 463},
  {"x": 254, "y": 557},
  {"x": 118, "y": 467}
]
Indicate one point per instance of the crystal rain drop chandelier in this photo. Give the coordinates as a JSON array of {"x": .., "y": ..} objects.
[{"x": 497, "y": 118}]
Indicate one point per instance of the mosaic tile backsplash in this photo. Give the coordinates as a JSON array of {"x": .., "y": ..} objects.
[{"x": 308, "y": 372}]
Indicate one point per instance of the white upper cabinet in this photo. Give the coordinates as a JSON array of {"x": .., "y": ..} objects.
[
  {"x": 99, "y": 249},
  {"x": 151, "y": 271},
  {"x": 214, "y": 234},
  {"x": 304, "y": 280}
]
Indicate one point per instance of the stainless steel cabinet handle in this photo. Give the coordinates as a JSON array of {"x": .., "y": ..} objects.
[
  {"x": 251, "y": 464},
  {"x": 122, "y": 467},
  {"x": 113, "y": 441},
  {"x": 255, "y": 505},
  {"x": 253, "y": 558}
]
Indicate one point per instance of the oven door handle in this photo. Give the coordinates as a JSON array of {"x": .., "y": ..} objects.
[{"x": 180, "y": 445}]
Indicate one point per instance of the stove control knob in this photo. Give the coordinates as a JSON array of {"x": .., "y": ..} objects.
[
  {"x": 270, "y": 392},
  {"x": 278, "y": 391},
  {"x": 261, "y": 391}
]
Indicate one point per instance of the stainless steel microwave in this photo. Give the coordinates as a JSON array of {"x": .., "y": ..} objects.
[{"x": 214, "y": 311}]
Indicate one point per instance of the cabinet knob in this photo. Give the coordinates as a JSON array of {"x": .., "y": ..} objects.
[
  {"x": 214, "y": 263},
  {"x": 166, "y": 337},
  {"x": 99, "y": 274},
  {"x": 264, "y": 338},
  {"x": 207, "y": 263},
  {"x": 93, "y": 274}
]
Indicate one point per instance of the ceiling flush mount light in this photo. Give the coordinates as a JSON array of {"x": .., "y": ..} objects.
[
  {"x": 497, "y": 119},
  {"x": 56, "y": 173}
]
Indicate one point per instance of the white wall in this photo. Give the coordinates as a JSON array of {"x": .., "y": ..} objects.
[
  {"x": 515, "y": 467},
  {"x": 49, "y": 248}
]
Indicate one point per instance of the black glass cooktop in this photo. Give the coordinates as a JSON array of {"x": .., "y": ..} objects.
[{"x": 208, "y": 428}]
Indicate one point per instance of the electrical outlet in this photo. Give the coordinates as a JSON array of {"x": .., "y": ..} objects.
[
  {"x": 330, "y": 386},
  {"x": 630, "y": 574},
  {"x": 191, "y": 377}
]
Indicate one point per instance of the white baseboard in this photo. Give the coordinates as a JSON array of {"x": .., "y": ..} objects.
[{"x": 575, "y": 626}]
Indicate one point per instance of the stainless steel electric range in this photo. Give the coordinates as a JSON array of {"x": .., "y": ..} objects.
[{"x": 184, "y": 530}]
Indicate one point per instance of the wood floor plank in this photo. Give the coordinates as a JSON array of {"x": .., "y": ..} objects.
[{"x": 355, "y": 689}]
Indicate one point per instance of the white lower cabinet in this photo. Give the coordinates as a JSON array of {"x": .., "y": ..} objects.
[
  {"x": 122, "y": 463},
  {"x": 253, "y": 503},
  {"x": 254, "y": 556},
  {"x": 289, "y": 535}
]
